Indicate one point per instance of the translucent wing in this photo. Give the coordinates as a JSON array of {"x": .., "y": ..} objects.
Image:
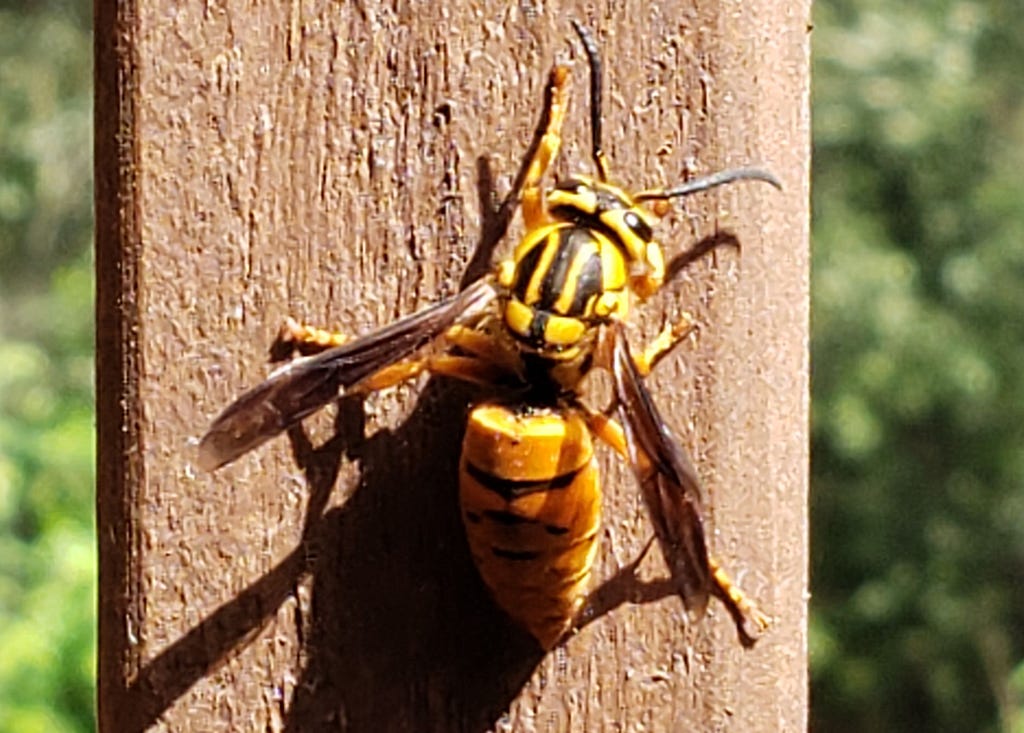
[
  {"x": 667, "y": 478},
  {"x": 304, "y": 386}
]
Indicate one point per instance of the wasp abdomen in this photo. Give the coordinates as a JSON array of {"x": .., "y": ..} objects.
[{"x": 531, "y": 504}]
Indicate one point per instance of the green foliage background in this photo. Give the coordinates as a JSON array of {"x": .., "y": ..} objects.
[
  {"x": 918, "y": 343},
  {"x": 47, "y": 550},
  {"x": 918, "y": 473}
]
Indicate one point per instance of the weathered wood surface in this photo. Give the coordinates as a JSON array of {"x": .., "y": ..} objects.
[{"x": 320, "y": 159}]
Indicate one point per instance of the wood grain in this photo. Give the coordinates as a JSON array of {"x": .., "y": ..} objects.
[{"x": 324, "y": 160}]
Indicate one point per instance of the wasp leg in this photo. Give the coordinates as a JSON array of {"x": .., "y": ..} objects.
[
  {"x": 471, "y": 340},
  {"x": 750, "y": 622},
  {"x": 546, "y": 140},
  {"x": 483, "y": 345},
  {"x": 749, "y": 619},
  {"x": 671, "y": 336},
  {"x": 464, "y": 368},
  {"x": 487, "y": 361},
  {"x": 311, "y": 339},
  {"x": 544, "y": 148},
  {"x": 298, "y": 338},
  {"x": 526, "y": 188}
]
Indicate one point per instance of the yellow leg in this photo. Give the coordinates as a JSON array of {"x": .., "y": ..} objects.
[
  {"x": 306, "y": 340},
  {"x": 663, "y": 343},
  {"x": 465, "y": 368},
  {"x": 749, "y": 620},
  {"x": 296, "y": 337},
  {"x": 745, "y": 613},
  {"x": 483, "y": 345},
  {"x": 547, "y": 138},
  {"x": 471, "y": 340},
  {"x": 611, "y": 432},
  {"x": 545, "y": 146}
]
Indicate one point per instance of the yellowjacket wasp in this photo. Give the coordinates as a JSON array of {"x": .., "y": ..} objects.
[{"x": 531, "y": 332}]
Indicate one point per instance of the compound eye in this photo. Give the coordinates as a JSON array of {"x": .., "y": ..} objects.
[{"x": 638, "y": 226}]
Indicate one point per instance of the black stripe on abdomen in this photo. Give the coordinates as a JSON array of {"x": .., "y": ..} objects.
[
  {"x": 509, "y": 488},
  {"x": 521, "y": 555}
]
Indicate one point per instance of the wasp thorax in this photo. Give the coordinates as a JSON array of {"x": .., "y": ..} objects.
[{"x": 563, "y": 280}]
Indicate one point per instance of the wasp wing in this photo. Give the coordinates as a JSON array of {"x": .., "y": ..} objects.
[
  {"x": 303, "y": 386},
  {"x": 668, "y": 480}
]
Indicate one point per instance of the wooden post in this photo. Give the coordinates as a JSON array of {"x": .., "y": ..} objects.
[{"x": 319, "y": 159}]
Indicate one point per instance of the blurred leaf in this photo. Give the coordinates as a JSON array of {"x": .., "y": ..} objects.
[
  {"x": 917, "y": 342},
  {"x": 47, "y": 550}
]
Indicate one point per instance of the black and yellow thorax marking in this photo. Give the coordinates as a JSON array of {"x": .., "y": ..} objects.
[
  {"x": 566, "y": 280},
  {"x": 568, "y": 276}
]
